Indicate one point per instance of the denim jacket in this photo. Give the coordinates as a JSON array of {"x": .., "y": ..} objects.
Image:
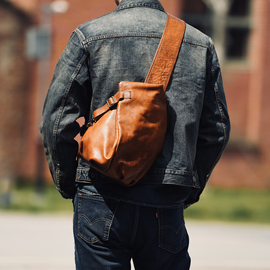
[{"x": 120, "y": 46}]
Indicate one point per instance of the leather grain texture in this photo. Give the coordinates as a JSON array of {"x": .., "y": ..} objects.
[{"x": 167, "y": 52}]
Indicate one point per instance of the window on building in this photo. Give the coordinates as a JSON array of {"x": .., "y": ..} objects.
[
  {"x": 238, "y": 25},
  {"x": 197, "y": 14}
]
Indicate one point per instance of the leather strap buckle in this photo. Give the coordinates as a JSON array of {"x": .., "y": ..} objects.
[{"x": 111, "y": 101}]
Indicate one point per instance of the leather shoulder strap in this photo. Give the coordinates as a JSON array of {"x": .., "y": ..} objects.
[{"x": 167, "y": 52}]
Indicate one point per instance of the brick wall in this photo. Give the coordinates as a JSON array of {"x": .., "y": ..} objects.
[
  {"x": 246, "y": 161},
  {"x": 16, "y": 104}
]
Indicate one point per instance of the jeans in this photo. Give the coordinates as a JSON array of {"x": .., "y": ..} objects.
[{"x": 109, "y": 232}]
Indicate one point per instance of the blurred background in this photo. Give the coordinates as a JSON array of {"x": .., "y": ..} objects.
[{"x": 33, "y": 34}]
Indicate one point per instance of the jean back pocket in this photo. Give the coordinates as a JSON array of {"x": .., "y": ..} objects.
[
  {"x": 95, "y": 217},
  {"x": 172, "y": 231}
]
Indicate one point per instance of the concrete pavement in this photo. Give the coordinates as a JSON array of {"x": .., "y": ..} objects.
[
  {"x": 227, "y": 246},
  {"x": 45, "y": 242},
  {"x": 36, "y": 242}
]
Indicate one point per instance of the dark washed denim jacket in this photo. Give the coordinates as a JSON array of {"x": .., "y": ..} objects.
[{"x": 120, "y": 46}]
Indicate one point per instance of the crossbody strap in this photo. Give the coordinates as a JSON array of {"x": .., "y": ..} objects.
[
  {"x": 167, "y": 52},
  {"x": 163, "y": 63}
]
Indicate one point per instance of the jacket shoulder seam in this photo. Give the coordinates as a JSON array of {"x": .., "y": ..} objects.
[
  {"x": 80, "y": 36},
  {"x": 150, "y": 35},
  {"x": 195, "y": 43}
]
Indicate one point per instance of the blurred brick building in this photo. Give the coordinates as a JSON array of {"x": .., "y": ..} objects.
[
  {"x": 16, "y": 94},
  {"x": 24, "y": 81}
]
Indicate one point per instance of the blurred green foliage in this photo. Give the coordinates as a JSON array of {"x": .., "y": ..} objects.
[
  {"x": 27, "y": 197},
  {"x": 239, "y": 205}
]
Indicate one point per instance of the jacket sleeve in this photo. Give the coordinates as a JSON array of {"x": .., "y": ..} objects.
[
  {"x": 214, "y": 126},
  {"x": 68, "y": 99}
]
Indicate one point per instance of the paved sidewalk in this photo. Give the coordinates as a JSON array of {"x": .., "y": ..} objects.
[
  {"x": 45, "y": 242},
  {"x": 222, "y": 246},
  {"x": 36, "y": 242}
]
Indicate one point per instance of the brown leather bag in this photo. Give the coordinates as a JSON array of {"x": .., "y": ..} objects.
[{"x": 127, "y": 134}]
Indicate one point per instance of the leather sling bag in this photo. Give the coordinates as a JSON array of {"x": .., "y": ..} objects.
[{"x": 126, "y": 135}]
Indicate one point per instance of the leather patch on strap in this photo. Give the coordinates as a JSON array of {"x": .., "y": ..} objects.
[{"x": 126, "y": 95}]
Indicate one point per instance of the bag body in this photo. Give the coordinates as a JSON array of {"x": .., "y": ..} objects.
[
  {"x": 124, "y": 143},
  {"x": 127, "y": 134}
]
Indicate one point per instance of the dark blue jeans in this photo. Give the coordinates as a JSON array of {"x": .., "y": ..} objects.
[{"x": 110, "y": 232}]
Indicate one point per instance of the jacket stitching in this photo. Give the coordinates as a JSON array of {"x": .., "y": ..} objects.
[
  {"x": 60, "y": 112},
  {"x": 195, "y": 43},
  {"x": 73, "y": 76},
  {"x": 159, "y": 7},
  {"x": 154, "y": 171},
  {"x": 80, "y": 36},
  {"x": 122, "y": 35},
  {"x": 221, "y": 118}
]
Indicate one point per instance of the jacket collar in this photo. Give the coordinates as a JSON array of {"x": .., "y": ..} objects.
[{"x": 124, "y": 4}]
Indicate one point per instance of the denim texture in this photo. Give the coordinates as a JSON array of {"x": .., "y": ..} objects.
[
  {"x": 109, "y": 232},
  {"x": 120, "y": 46}
]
